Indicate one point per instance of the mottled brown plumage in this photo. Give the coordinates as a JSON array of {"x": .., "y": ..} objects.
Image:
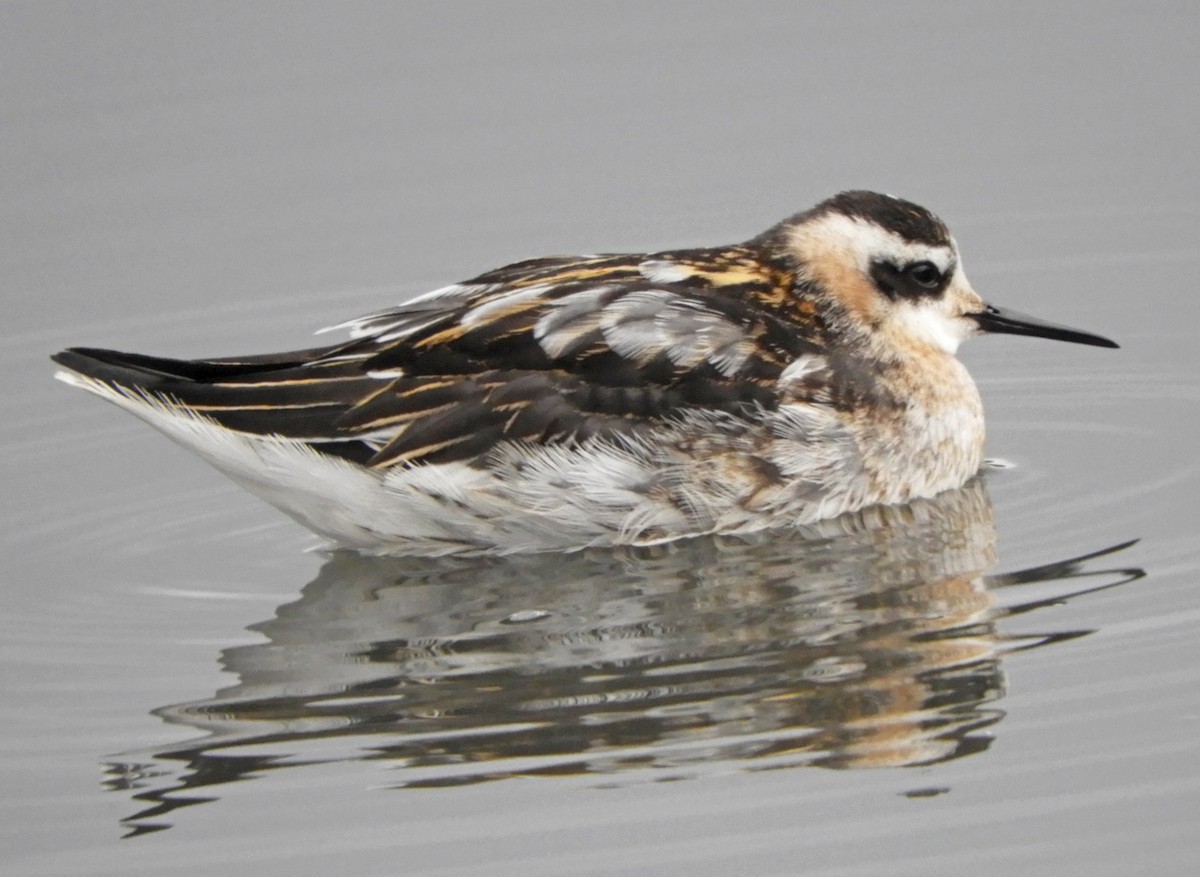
[{"x": 612, "y": 398}]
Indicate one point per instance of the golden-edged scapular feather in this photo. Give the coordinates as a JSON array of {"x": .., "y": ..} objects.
[{"x": 545, "y": 350}]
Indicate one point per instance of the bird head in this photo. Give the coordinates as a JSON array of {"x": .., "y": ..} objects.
[{"x": 890, "y": 272}]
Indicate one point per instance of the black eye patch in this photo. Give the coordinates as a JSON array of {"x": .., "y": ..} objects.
[
  {"x": 924, "y": 274},
  {"x": 910, "y": 281}
]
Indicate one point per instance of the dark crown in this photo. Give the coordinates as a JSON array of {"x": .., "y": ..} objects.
[{"x": 911, "y": 222}]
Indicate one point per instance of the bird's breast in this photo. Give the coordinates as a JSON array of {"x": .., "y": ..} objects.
[
  {"x": 932, "y": 440},
  {"x": 879, "y": 432}
]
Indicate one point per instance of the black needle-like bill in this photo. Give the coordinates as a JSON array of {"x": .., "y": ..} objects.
[{"x": 1002, "y": 320}]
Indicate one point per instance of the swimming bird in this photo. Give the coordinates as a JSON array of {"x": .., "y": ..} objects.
[{"x": 565, "y": 402}]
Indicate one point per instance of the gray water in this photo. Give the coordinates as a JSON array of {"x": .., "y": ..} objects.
[{"x": 995, "y": 680}]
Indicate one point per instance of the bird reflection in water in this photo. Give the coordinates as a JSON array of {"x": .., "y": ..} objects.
[{"x": 867, "y": 641}]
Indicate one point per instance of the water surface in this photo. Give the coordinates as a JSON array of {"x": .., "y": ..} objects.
[{"x": 1001, "y": 679}]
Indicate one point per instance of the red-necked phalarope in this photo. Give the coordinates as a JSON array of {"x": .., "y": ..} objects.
[{"x": 564, "y": 402}]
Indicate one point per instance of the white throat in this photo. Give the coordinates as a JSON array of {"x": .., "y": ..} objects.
[{"x": 927, "y": 324}]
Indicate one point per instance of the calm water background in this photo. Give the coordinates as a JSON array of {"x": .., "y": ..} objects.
[{"x": 201, "y": 179}]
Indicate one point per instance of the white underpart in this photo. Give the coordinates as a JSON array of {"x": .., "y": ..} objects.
[
  {"x": 532, "y": 499},
  {"x": 558, "y": 498},
  {"x": 316, "y": 490},
  {"x": 528, "y": 498}
]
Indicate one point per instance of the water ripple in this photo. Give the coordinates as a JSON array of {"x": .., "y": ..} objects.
[{"x": 873, "y": 641}]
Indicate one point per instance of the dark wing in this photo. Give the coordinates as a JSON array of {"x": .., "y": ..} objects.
[
  {"x": 294, "y": 394},
  {"x": 548, "y": 350}
]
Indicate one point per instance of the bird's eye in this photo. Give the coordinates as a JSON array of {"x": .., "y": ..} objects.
[{"x": 924, "y": 274}]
